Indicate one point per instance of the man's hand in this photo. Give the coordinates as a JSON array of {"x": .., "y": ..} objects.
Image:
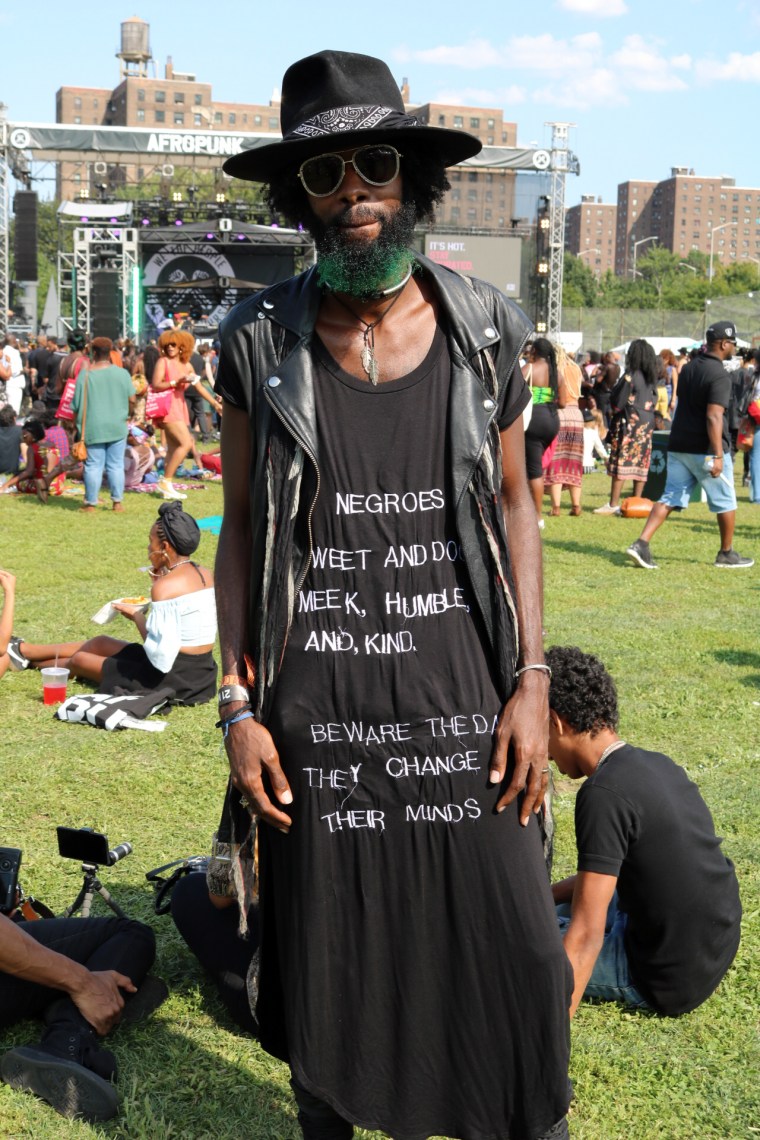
[
  {"x": 97, "y": 997},
  {"x": 524, "y": 723},
  {"x": 251, "y": 752},
  {"x": 7, "y": 582},
  {"x": 717, "y": 467}
]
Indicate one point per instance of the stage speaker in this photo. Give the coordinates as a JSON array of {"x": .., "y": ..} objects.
[
  {"x": 105, "y": 303},
  {"x": 25, "y": 235}
]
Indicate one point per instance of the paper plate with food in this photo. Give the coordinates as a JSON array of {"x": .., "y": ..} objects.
[{"x": 108, "y": 612}]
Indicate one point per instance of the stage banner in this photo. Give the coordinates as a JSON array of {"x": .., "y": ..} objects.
[{"x": 204, "y": 281}]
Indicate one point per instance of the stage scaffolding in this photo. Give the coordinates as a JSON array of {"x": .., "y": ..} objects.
[{"x": 107, "y": 247}]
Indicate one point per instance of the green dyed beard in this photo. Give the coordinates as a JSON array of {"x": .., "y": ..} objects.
[
  {"x": 361, "y": 269},
  {"x": 363, "y": 277}
]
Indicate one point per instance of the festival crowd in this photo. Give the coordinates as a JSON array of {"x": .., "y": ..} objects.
[{"x": 105, "y": 410}]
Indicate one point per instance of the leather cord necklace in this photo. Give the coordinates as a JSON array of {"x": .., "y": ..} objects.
[{"x": 368, "y": 358}]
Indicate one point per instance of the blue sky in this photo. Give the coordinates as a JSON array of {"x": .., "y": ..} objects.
[{"x": 650, "y": 83}]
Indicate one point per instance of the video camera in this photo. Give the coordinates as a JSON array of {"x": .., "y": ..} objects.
[{"x": 89, "y": 847}]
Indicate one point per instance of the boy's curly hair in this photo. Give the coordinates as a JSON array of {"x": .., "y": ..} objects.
[{"x": 581, "y": 690}]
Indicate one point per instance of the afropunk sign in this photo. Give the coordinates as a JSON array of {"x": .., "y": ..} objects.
[
  {"x": 28, "y": 136},
  {"x": 59, "y": 137}
]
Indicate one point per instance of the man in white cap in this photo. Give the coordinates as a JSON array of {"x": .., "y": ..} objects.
[{"x": 384, "y": 699}]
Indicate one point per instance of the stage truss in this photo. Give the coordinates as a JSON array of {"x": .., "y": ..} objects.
[{"x": 111, "y": 247}]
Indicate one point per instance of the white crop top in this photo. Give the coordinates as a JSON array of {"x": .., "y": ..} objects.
[{"x": 179, "y": 623}]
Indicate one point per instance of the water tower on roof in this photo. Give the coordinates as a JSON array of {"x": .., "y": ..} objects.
[{"x": 135, "y": 47}]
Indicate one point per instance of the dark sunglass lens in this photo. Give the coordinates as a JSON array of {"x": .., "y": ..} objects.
[
  {"x": 377, "y": 164},
  {"x": 322, "y": 175}
]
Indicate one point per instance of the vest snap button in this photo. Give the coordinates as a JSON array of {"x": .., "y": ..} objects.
[
  {"x": 261, "y": 316},
  {"x": 274, "y": 381},
  {"x": 489, "y": 405},
  {"x": 491, "y": 333},
  {"x": 268, "y": 305}
]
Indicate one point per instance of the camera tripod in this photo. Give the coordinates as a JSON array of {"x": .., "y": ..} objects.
[{"x": 90, "y": 887}]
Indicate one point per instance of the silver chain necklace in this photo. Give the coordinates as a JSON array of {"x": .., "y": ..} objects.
[{"x": 609, "y": 750}]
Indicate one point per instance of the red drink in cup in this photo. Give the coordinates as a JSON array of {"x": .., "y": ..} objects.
[
  {"x": 54, "y": 694},
  {"x": 54, "y": 680}
]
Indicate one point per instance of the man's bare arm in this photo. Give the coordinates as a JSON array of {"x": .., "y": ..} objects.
[
  {"x": 562, "y": 891},
  {"x": 715, "y": 435},
  {"x": 585, "y": 934},
  {"x": 96, "y": 995},
  {"x": 524, "y": 722},
  {"x": 250, "y": 748}
]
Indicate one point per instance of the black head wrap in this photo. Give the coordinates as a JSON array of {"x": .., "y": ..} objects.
[{"x": 181, "y": 530}]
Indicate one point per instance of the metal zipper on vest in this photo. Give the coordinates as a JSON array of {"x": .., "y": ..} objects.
[{"x": 313, "y": 459}]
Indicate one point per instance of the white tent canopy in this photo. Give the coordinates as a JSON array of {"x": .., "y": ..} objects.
[{"x": 674, "y": 343}]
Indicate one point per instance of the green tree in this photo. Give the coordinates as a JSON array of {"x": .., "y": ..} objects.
[
  {"x": 657, "y": 267},
  {"x": 579, "y": 284}
]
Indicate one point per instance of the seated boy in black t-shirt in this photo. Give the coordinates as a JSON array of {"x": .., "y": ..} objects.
[{"x": 655, "y": 915}]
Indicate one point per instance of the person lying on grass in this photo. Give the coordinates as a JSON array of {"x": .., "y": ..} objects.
[
  {"x": 655, "y": 915},
  {"x": 178, "y": 633}
]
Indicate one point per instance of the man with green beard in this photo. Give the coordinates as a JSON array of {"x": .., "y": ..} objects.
[{"x": 384, "y": 700}]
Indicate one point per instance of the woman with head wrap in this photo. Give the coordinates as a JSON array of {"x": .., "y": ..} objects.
[{"x": 177, "y": 634}]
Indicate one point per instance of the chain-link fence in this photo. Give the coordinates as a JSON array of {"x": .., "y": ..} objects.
[
  {"x": 602, "y": 329},
  {"x": 743, "y": 309}
]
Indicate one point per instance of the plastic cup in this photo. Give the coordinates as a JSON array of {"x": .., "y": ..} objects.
[{"x": 54, "y": 680}]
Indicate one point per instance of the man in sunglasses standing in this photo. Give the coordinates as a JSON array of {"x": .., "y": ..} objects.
[{"x": 384, "y": 701}]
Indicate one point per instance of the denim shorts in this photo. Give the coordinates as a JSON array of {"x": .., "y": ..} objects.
[
  {"x": 611, "y": 978},
  {"x": 685, "y": 471}
]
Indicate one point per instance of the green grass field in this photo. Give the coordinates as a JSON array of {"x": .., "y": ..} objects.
[{"x": 683, "y": 646}]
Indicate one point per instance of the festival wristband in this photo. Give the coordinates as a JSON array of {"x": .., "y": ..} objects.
[
  {"x": 233, "y": 692},
  {"x": 226, "y": 722},
  {"x": 234, "y": 679}
]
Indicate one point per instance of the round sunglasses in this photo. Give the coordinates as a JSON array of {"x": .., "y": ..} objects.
[{"x": 376, "y": 165}]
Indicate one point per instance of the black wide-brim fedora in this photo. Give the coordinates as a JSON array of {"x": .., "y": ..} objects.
[{"x": 335, "y": 100}]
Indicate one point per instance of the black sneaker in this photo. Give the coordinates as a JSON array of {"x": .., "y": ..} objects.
[
  {"x": 65, "y": 1079},
  {"x": 639, "y": 552},
  {"x": 18, "y": 661},
  {"x": 151, "y": 994},
  {"x": 726, "y": 560}
]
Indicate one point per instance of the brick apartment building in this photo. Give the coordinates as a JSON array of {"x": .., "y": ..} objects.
[
  {"x": 479, "y": 199},
  {"x": 482, "y": 199},
  {"x": 590, "y": 233},
  {"x": 684, "y": 212}
]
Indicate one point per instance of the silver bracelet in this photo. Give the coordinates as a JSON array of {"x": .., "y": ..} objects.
[{"x": 543, "y": 668}]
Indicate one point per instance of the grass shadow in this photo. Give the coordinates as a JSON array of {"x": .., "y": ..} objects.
[
  {"x": 616, "y": 557},
  {"x": 742, "y": 659},
  {"x": 204, "y": 1079}
]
